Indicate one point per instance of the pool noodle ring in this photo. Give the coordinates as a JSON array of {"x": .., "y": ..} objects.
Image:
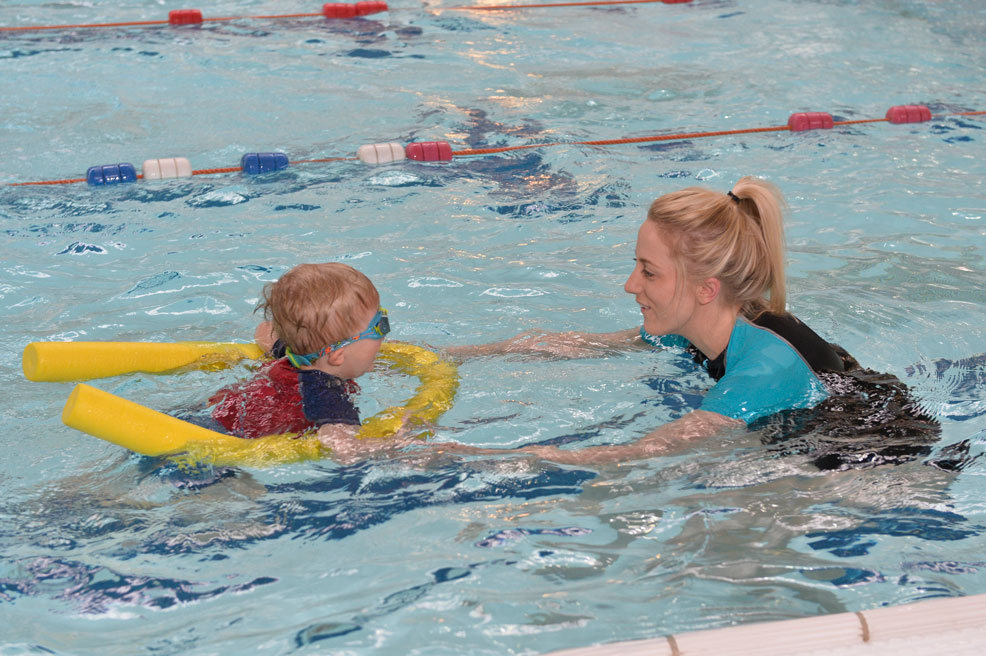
[{"x": 153, "y": 433}]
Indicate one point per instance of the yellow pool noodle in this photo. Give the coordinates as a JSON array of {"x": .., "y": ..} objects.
[
  {"x": 435, "y": 395},
  {"x": 153, "y": 433},
  {"x": 131, "y": 425},
  {"x": 56, "y": 362}
]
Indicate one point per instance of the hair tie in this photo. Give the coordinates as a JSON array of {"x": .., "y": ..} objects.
[{"x": 733, "y": 196}]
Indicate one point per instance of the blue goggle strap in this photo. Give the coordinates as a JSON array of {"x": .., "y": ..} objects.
[
  {"x": 297, "y": 360},
  {"x": 378, "y": 329}
]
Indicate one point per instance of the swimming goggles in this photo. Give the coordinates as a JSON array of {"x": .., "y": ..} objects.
[{"x": 378, "y": 329}]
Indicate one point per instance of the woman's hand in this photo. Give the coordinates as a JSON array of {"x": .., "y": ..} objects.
[
  {"x": 347, "y": 449},
  {"x": 464, "y": 449}
]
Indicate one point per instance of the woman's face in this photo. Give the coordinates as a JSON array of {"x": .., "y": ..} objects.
[{"x": 667, "y": 303}]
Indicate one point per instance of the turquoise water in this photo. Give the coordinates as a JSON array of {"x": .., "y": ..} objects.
[{"x": 105, "y": 552}]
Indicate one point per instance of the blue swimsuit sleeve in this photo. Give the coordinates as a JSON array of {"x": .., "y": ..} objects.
[
  {"x": 324, "y": 401},
  {"x": 663, "y": 340},
  {"x": 764, "y": 375}
]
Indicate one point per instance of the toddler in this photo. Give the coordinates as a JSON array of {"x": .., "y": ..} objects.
[{"x": 329, "y": 327}]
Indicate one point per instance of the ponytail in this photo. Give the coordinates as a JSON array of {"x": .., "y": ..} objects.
[
  {"x": 763, "y": 202},
  {"x": 736, "y": 237}
]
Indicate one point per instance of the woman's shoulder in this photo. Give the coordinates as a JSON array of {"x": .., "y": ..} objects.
[{"x": 817, "y": 353}]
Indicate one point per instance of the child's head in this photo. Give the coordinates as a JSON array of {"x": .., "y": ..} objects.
[{"x": 314, "y": 305}]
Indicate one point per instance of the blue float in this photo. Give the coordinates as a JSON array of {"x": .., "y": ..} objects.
[
  {"x": 108, "y": 174},
  {"x": 254, "y": 163}
]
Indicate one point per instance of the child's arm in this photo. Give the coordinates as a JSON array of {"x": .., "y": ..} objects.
[
  {"x": 557, "y": 345},
  {"x": 265, "y": 336}
]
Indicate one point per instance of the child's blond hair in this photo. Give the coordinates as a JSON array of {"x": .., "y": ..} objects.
[{"x": 314, "y": 305}]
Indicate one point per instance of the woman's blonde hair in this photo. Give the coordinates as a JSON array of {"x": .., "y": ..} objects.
[
  {"x": 735, "y": 237},
  {"x": 314, "y": 305}
]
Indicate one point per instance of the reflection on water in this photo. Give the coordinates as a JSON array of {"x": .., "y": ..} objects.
[{"x": 749, "y": 533}]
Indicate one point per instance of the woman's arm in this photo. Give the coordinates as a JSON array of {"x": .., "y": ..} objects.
[
  {"x": 696, "y": 425},
  {"x": 558, "y": 345}
]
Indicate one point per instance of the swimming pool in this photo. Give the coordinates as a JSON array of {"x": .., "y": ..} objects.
[{"x": 480, "y": 555}]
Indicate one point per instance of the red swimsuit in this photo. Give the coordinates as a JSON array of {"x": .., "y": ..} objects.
[{"x": 283, "y": 399}]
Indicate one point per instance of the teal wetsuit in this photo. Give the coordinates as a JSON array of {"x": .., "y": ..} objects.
[
  {"x": 770, "y": 364},
  {"x": 808, "y": 396}
]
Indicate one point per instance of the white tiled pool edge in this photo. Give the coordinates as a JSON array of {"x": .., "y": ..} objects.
[{"x": 824, "y": 632}]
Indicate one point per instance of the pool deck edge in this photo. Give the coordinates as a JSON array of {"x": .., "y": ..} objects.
[{"x": 823, "y": 632}]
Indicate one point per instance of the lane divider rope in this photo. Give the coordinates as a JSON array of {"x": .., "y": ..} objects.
[
  {"x": 188, "y": 17},
  {"x": 596, "y": 3},
  {"x": 441, "y": 151}
]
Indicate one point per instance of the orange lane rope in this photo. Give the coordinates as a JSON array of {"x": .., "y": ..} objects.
[
  {"x": 47, "y": 182},
  {"x": 588, "y": 3},
  {"x": 325, "y": 159},
  {"x": 504, "y": 149},
  {"x": 28, "y": 28},
  {"x": 629, "y": 140},
  {"x": 215, "y": 171},
  {"x": 225, "y": 169},
  {"x": 597, "y": 3},
  {"x": 672, "y": 137}
]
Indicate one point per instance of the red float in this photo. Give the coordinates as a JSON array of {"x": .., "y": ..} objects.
[{"x": 810, "y": 121}]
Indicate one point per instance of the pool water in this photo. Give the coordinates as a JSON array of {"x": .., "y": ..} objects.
[{"x": 107, "y": 552}]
